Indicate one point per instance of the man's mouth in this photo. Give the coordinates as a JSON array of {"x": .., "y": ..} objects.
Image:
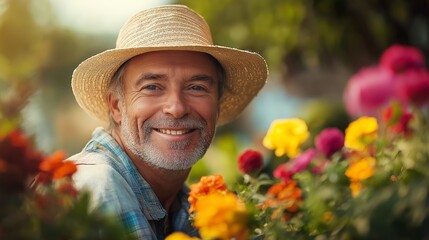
[{"x": 173, "y": 132}]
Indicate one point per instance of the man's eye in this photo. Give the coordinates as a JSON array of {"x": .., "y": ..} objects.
[
  {"x": 151, "y": 87},
  {"x": 197, "y": 88}
]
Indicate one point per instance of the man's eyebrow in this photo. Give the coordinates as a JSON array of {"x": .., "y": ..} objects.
[
  {"x": 149, "y": 76},
  {"x": 203, "y": 77}
]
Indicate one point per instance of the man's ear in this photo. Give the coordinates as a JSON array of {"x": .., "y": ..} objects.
[{"x": 115, "y": 108}]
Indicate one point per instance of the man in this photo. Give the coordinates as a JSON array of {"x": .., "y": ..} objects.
[{"x": 164, "y": 89}]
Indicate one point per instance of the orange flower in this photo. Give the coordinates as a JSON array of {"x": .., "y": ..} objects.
[
  {"x": 206, "y": 185},
  {"x": 180, "y": 236},
  {"x": 284, "y": 195},
  {"x": 55, "y": 166},
  {"x": 360, "y": 170}
]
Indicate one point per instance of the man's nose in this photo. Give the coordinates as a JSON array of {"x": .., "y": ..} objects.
[{"x": 175, "y": 105}]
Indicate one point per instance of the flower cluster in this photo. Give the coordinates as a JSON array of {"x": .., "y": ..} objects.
[
  {"x": 367, "y": 181},
  {"x": 400, "y": 75},
  {"x": 38, "y": 199}
]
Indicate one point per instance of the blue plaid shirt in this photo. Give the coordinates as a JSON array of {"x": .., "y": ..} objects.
[{"x": 118, "y": 188}]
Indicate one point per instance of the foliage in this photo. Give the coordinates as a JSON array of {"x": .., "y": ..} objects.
[{"x": 308, "y": 33}]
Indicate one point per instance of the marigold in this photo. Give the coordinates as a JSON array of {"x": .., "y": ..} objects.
[
  {"x": 356, "y": 187},
  {"x": 361, "y": 133},
  {"x": 361, "y": 169},
  {"x": 179, "y": 236},
  {"x": 221, "y": 216},
  {"x": 285, "y": 136},
  {"x": 285, "y": 195},
  {"x": 206, "y": 185}
]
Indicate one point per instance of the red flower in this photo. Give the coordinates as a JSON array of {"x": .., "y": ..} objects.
[
  {"x": 250, "y": 161},
  {"x": 54, "y": 167},
  {"x": 329, "y": 141},
  {"x": 368, "y": 91},
  {"x": 18, "y": 161},
  {"x": 397, "y": 120},
  {"x": 400, "y": 58}
]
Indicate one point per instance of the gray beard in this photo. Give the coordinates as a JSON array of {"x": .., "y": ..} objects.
[{"x": 149, "y": 153}]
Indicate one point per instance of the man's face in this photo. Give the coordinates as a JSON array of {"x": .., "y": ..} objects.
[{"x": 169, "y": 113}]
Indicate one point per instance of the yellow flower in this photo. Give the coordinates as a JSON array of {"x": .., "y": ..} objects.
[
  {"x": 285, "y": 136},
  {"x": 358, "y": 171},
  {"x": 180, "y": 236},
  {"x": 361, "y": 169},
  {"x": 356, "y": 187},
  {"x": 221, "y": 216},
  {"x": 361, "y": 133}
]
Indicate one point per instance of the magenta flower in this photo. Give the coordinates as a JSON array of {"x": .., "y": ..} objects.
[
  {"x": 250, "y": 161},
  {"x": 302, "y": 161},
  {"x": 329, "y": 141},
  {"x": 413, "y": 87},
  {"x": 400, "y": 58},
  {"x": 368, "y": 91},
  {"x": 283, "y": 171},
  {"x": 286, "y": 170}
]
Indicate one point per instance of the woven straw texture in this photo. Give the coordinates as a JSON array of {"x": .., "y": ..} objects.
[{"x": 172, "y": 27}]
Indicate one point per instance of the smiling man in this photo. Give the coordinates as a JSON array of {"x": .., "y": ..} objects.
[{"x": 163, "y": 89}]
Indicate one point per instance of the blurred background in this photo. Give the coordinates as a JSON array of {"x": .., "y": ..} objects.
[{"x": 312, "y": 48}]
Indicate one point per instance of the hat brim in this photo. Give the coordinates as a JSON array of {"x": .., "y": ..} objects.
[{"x": 246, "y": 73}]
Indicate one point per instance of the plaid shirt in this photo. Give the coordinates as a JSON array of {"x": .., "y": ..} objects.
[{"x": 118, "y": 188}]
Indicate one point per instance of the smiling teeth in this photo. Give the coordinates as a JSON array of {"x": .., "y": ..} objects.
[{"x": 172, "y": 132}]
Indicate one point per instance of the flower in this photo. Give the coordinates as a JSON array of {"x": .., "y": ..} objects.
[
  {"x": 54, "y": 167},
  {"x": 221, "y": 216},
  {"x": 179, "y": 236},
  {"x": 286, "y": 170},
  {"x": 329, "y": 141},
  {"x": 360, "y": 170},
  {"x": 19, "y": 161},
  {"x": 369, "y": 90},
  {"x": 361, "y": 133},
  {"x": 399, "y": 58},
  {"x": 285, "y": 196},
  {"x": 250, "y": 161},
  {"x": 397, "y": 119},
  {"x": 285, "y": 136},
  {"x": 413, "y": 87},
  {"x": 206, "y": 185}
]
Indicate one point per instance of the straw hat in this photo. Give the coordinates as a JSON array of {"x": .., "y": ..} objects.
[{"x": 172, "y": 27}]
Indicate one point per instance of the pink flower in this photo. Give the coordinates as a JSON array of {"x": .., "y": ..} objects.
[
  {"x": 400, "y": 58},
  {"x": 413, "y": 87},
  {"x": 283, "y": 172},
  {"x": 369, "y": 90},
  {"x": 250, "y": 161},
  {"x": 329, "y": 141},
  {"x": 286, "y": 170},
  {"x": 302, "y": 161}
]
